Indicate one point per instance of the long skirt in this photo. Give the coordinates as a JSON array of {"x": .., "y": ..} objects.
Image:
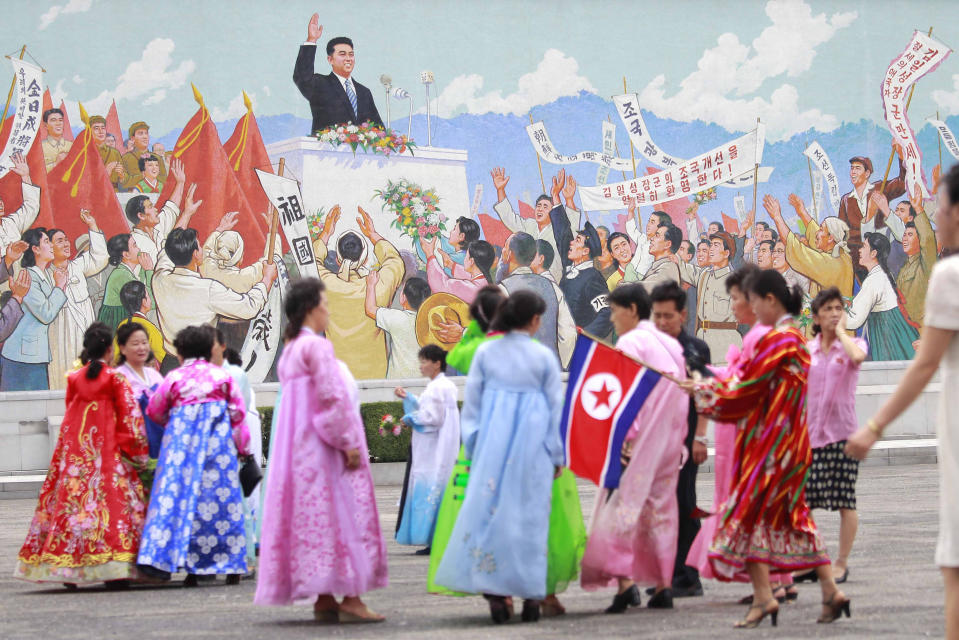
[
  {"x": 567, "y": 530},
  {"x": 890, "y": 336},
  {"x": 195, "y": 520}
]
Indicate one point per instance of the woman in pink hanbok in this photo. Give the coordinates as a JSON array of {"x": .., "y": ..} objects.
[
  {"x": 724, "y": 438},
  {"x": 635, "y": 526},
  {"x": 321, "y": 532}
]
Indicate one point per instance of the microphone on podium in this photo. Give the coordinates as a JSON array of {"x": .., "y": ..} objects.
[
  {"x": 426, "y": 77},
  {"x": 402, "y": 94},
  {"x": 387, "y": 83}
]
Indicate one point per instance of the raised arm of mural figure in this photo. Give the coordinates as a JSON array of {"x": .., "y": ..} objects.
[
  {"x": 179, "y": 175},
  {"x": 800, "y": 208},
  {"x": 369, "y": 304},
  {"x": 500, "y": 180},
  {"x": 750, "y": 220},
  {"x": 365, "y": 223},
  {"x": 771, "y": 205},
  {"x": 569, "y": 193},
  {"x": 314, "y": 29},
  {"x": 21, "y": 168},
  {"x": 329, "y": 224},
  {"x": 189, "y": 208},
  {"x": 559, "y": 181}
]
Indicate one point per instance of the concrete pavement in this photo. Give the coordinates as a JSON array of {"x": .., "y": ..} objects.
[{"x": 896, "y": 590}]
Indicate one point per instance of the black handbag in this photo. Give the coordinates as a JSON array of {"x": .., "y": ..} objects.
[{"x": 250, "y": 475}]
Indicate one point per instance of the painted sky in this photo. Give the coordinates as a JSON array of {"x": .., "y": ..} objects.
[{"x": 796, "y": 64}]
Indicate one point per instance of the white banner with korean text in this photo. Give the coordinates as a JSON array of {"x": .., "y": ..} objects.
[
  {"x": 627, "y": 106},
  {"x": 947, "y": 138},
  {"x": 821, "y": 163},
  {"x": 710, "y": 169},
  {"x": 921, "y": 56},
  {"x": 26, "y": 123},
  {"x": 609, "y": 147},
  {"x": 547, "y": 151}
]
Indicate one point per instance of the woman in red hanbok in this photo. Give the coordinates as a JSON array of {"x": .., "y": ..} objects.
[
  {"x": 87, "y": 524},
  {"x": 765, "y": 522}
]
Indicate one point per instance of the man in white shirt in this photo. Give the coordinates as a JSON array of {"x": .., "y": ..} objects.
[
  {"x": 185, "y": 298},
  {"x": 152, "y": 226},
  {"x": 541, "y": 226},
  {"x": 13, "y": 225},
  {"x": 399, "y": 325},
  {"x": 55, "y": 147},
  {"x": 642, "y": 258}
]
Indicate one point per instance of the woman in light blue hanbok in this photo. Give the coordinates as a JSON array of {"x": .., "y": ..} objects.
[{"x": 510, "y": 429}]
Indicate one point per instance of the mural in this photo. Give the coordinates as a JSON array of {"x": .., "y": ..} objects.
[{"x": 775, "y": 136}]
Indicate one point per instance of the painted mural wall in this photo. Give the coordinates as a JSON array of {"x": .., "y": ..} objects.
[{"x": 188, "y": 168}]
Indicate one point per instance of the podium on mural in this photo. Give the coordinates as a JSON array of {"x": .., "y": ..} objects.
[{"x": 331, "y": 176}]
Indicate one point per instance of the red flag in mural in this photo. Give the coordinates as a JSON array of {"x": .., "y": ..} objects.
[
  {"x": 10, "y": 191},
  {"x": 47, "y": 105},
  {"x": 113, "y": 125},
  {"x": 67, "y": 131},
  {"x": 80, "y": 181},
  {"x": 208, "y": 166},
  {"x": 245, "y": 151}
]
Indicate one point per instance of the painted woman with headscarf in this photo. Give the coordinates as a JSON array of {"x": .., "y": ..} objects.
[
  {"x": 879, "y": 306},
  {"x": 355, "y": 336},
  {"x": 222, "y": 255}
]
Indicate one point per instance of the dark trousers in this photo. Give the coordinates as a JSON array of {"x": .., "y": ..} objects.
[{"x": 684, "y": 576}]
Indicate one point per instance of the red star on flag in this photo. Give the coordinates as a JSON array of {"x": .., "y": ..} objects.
[{"x": 602, "y": 396}]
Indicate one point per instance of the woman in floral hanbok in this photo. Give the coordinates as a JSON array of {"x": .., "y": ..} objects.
[
  {"x": 195, "y": 521},
  {"x": 87, "y": 524},
  {"x": 765, "y": 521},
  {"x": 321, "y": 531}
]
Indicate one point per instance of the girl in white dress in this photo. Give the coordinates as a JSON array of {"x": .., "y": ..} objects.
[{"x": 939, "y": 345}]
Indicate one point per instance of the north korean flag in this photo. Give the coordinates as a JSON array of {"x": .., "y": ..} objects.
[{"x": 605, "y": 392}]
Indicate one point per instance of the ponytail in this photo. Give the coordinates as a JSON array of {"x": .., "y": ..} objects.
[
  {"x": 771, "y": 282},
  {"x": 97, "y": 340},
  {"x": 484, "y": 306}
]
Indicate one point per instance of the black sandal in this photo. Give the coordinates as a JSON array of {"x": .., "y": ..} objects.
[
  {"x": 498, "y": 610},
  {"x": 628, "y": 598},
  {"x": 531, "y": 611}
]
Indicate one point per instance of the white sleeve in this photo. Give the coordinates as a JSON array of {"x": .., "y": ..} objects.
[
  {"x": 566, "y": 329},
  {"x": 513, "y": 222},
  {"x": 13, "y": 225},
  {"x": 863, "y": 304},
  {"x": 642, "y": 259},
  {"x": 896, "y": 226},
  {"x": 168, "y": 216},
  {"x": 95, "y": 260}
]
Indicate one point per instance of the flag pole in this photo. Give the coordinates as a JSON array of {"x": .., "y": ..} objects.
[
  {"x": 616, "y": 145},
  {"x": 274, "y": 218},
  {"x": 755, "y": 179},
  {"x": 539, "y": 163},
  {"x": 631, "y": 156},
  {"x": 812, "y": 186},
  {"x": 892, "y": 154},
  {"x": 939, "y": 142},
  {"x": 13, "y": 85},
  {"x": 668, "y": 376}
]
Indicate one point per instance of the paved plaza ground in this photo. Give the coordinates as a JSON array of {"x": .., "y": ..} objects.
[{"x": 895, "y": 590}]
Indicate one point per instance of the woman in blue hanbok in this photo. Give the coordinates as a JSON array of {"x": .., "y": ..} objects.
[
  {"x": 510, "y": 428},
  {"x": 435, "y": 420},
  {"x": 195, "y": 519},
  {"x": 880, "y": 306}
]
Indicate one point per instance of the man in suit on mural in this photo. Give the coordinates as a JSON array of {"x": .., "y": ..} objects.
[{"x": 334, "y": 98}]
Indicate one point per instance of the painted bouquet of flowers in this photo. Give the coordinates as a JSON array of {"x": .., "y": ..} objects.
[
  {"x": 390, "y": 425},
  {"x": 314, "y": 221},
  {"x": 416, "y": 210},
  {"x": 703, "y": 197},
  {"x": 371, "y": 138}
]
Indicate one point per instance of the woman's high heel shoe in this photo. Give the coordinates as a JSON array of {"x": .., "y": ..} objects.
[
  {"x": 836, "y": 609},
  {"x": 628, "y": 598},
  {"x": 773, "y": 614},
  {"x": 498, "y": 610}
]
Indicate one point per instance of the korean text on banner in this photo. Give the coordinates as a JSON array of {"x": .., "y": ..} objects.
[
  {"x": 627, "y": 106},
  {"x": 947, "y": 138},
  {"x": 262, "y": 343},
  {"x": 284, "y": 194},
  {"x": 29, "y": 86},
  {"x": 609, "y": 146},
  {"x": 822, "y": 163},
  {"x": 547, "y": 151},
  {"x": 705, "y": 171},
  {"x": 922, "y": 55}
]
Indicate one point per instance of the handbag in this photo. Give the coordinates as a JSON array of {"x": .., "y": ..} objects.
[{"x": 250, "y": 475}]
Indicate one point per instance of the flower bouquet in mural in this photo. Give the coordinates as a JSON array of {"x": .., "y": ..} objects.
[
  {"x": 415, "y": 210},
  {"x": 703, "y": 197},
  {"x": 390, "y": 425},
  {"x": 314, "y": 222},
  {"x": 371, "y": 138}
]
